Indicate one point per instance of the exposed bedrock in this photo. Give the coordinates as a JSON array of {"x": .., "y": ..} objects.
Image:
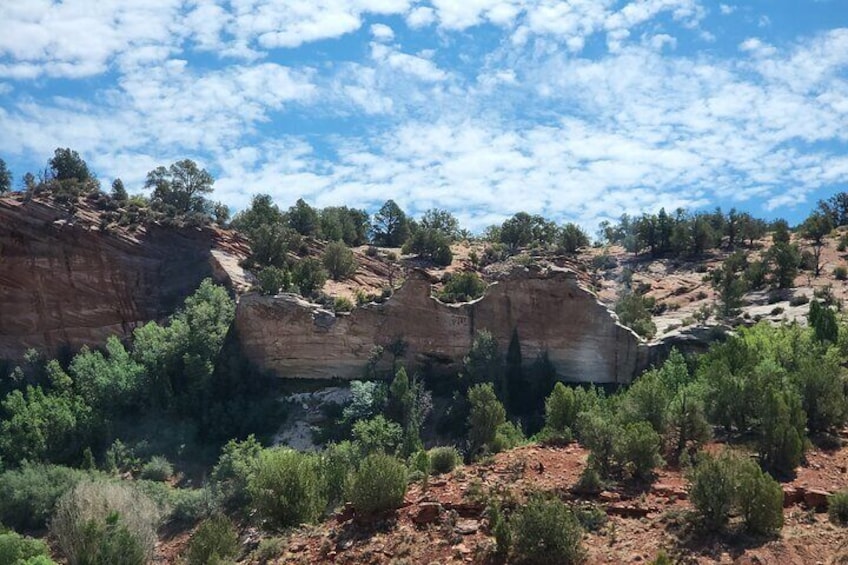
[
  {"x": 549, "y": 308},
  {"x": 65, "y": 283}
]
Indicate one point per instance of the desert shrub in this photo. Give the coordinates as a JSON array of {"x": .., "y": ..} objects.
[
  {"x": 662, "y": 558},
  {"x": 485, "y": 416},
  {"x": 190, "y": 505},
  {"x": 29, "y": 494},
  {"x": 843, "y": 243},
  {"x": 272, "y": 280},
  {"x": 591, "y": 516},
  {"x": 799, "y": 300},
  {"x": 500, "y": 529},
  {"x": 431, "y": 244},
  {"x": 19, "y": 550},
  {"x": 342, "y": 304},
  {"x": 377, "y": 435},
  {"x": 339, "y": 261},
  {"x": 371, "y": 251},
  {"x": 760, "y": 499},
  {"x": 157, "y": 469},
  {"x": 215, "y": 540},
  {"x": 337, "y": 462},
  {"x": 230, "y": 477},
  {"x": 546, "y": 532},
  {"x": 309, "y": 276},
  {"x": 269, "y": 549},
  {"x": 589, "y": 481},
  {"x": 378, "y": 485},
  {"x": 837, "y": 507},
  {"x": 840, "y": 273},
  {"x": 561, "y": 409},
  {"x": 444, "y": 459},
  {"x": 713, "y": 490},
  {"x": 463, "y": 287},
  {"x": 507, "y": 436},
  {"x": 638, "y": 449},
  {"x": 634, "y": 311},
  {"x": 286, "y": 487},
  {"x": 102, "y": 523}
]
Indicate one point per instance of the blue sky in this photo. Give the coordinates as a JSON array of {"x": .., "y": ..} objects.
[{"x": 579, "y": 110}]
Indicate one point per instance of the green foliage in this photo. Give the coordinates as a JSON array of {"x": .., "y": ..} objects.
[
  {"x": 442, "y": 222},
  {"x": 230, "y": 478},
  {"x": 759, "y": 498},
  {"x": 19, "y": 550},
  {"x": 462, "y": 287},
  {"x": 66, "y": 164},
  {"x": 507, "y": 436},
  {"x": 485, "y": 416},
  {"x": 755, "y": 275},
  {"x": 378, "y": 485},
  {"x": 713, "y": 490},
  {"x": 430, "y": 243},
  {"x": 483, "y": 362},
  {"x": 112, "y": 384},
  {"x": 286, "y": 488},
  {"x": 814, "y": 229},
  {"x": 823, "y": 321},
  {"x": 339, "y": 261},
  {"x": 637, "y": 449},
  {"x": 346, "y": 224},
  {"x": 561, "y": 409},
  {"x": 546, "y": 532},
  {"x": 102, "y": 523},
  {"x": 726, "y": 483},
  {"x": 309, "y": 276},
  {"x": 338, "y": 460},
  {"x": 213, "y": 542},
  {"x": 837, "y": 507},
  {"x": 730, "y": 284},
  {"x": 524, "y": 229},
  {"x": 303, "y": 219},
  {"x": 342, "y": 304},
  {"x": 571, "y": 238},
  {"x": 179, "y": 189},
  {"x": 377, "y": 435},
  {"x": 5, "y": 178},
  {"x": 273, "y": 280},
  {"x": 444, "y": 459},
  {"x": 391, "y": 226},
  {"x": 785, "y": 259},
  {"x": 157, "y": 469},
  {"x": 634, "y": 311},
  {"x": 840, "y": 273},
  {"x": 500, "y": 528}
]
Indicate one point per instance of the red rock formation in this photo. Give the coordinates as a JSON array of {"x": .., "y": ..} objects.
[{"x": 66, "y": 283}]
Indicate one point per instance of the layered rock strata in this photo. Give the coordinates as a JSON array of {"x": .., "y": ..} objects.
[
  {"x": 550, "y": 309},
  {"x": 65, "y": 282}
]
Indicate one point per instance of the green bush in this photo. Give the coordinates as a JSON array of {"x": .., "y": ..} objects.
[
  {"x": 214, "y": 541},
  {"x": 286, "y": 487},
  {"x": 840, "y": 273},
  {"x": 378, "y": 485},
  {"x": 342, "y": 304},
  {"x": 377, "y": 434},
  {"x": 713, "y": 490},
  {"x": 29, "y": 494},
  {"x": 485, "y": 417},
  {"x": 103, "y": 523},
  {"x": 837, "y": 507},
  {"x": 463, "y": 287},
  {"x": 157, "y": 469},
  {"x": 561, "y": 409},
  {"x": 309, "y": 276},
  {"x": 269, "y": 549},
  {"x": 546, "y": 532},
  {"x": 231, "y": 475},
  {"x": 273, "y": 280},
  {"x": 507, "y": 436},
  {"x": 339, "y": 261},
  {"x": 190, "y": 505},
  {"x": 638, "y": 449},
  {"x": 19, "y": 550},
  {"x": 337, "y": 462},
  {"x": 760, "y": 499},
  {"x": 444, "y": 459}
]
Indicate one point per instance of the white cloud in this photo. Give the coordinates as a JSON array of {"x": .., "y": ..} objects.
[
  {"x": 726, "y": 9},
  {"x": 422, "y": 16},
  {"x": 382, "y": 32}
]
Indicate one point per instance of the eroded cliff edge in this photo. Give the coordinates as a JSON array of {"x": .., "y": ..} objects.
[
  {"x": 65, "y": 282},
  {"x": 549, "y": 308}
]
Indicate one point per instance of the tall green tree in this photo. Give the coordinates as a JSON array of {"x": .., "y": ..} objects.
[
  {"x": 5, "y": 178},
  {"x": 303, "y": 219},
  {"x": 391, "y": 225},
  {"x": 485, "y": 416},
  {"x": 180, "y": 188},
  {"x": 66, "y": 164},
  {"x": 815, "y": 229}
]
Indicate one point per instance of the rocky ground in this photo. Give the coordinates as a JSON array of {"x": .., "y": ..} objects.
[{"x": 445, "y": 521}]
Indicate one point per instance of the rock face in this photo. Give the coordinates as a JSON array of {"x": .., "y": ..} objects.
[
  {"x": 65, "y": 283},
  {"x": 549, "y": 309}
]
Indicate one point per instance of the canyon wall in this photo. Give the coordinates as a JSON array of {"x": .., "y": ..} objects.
[
  {"x": 65, "y": 283},
  {"x": 550, "y": 310}
]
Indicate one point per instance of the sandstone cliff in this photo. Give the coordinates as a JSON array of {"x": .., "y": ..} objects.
[
  {"x": 66, "y": 283},
  {"x": 549, "y": 308}
]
